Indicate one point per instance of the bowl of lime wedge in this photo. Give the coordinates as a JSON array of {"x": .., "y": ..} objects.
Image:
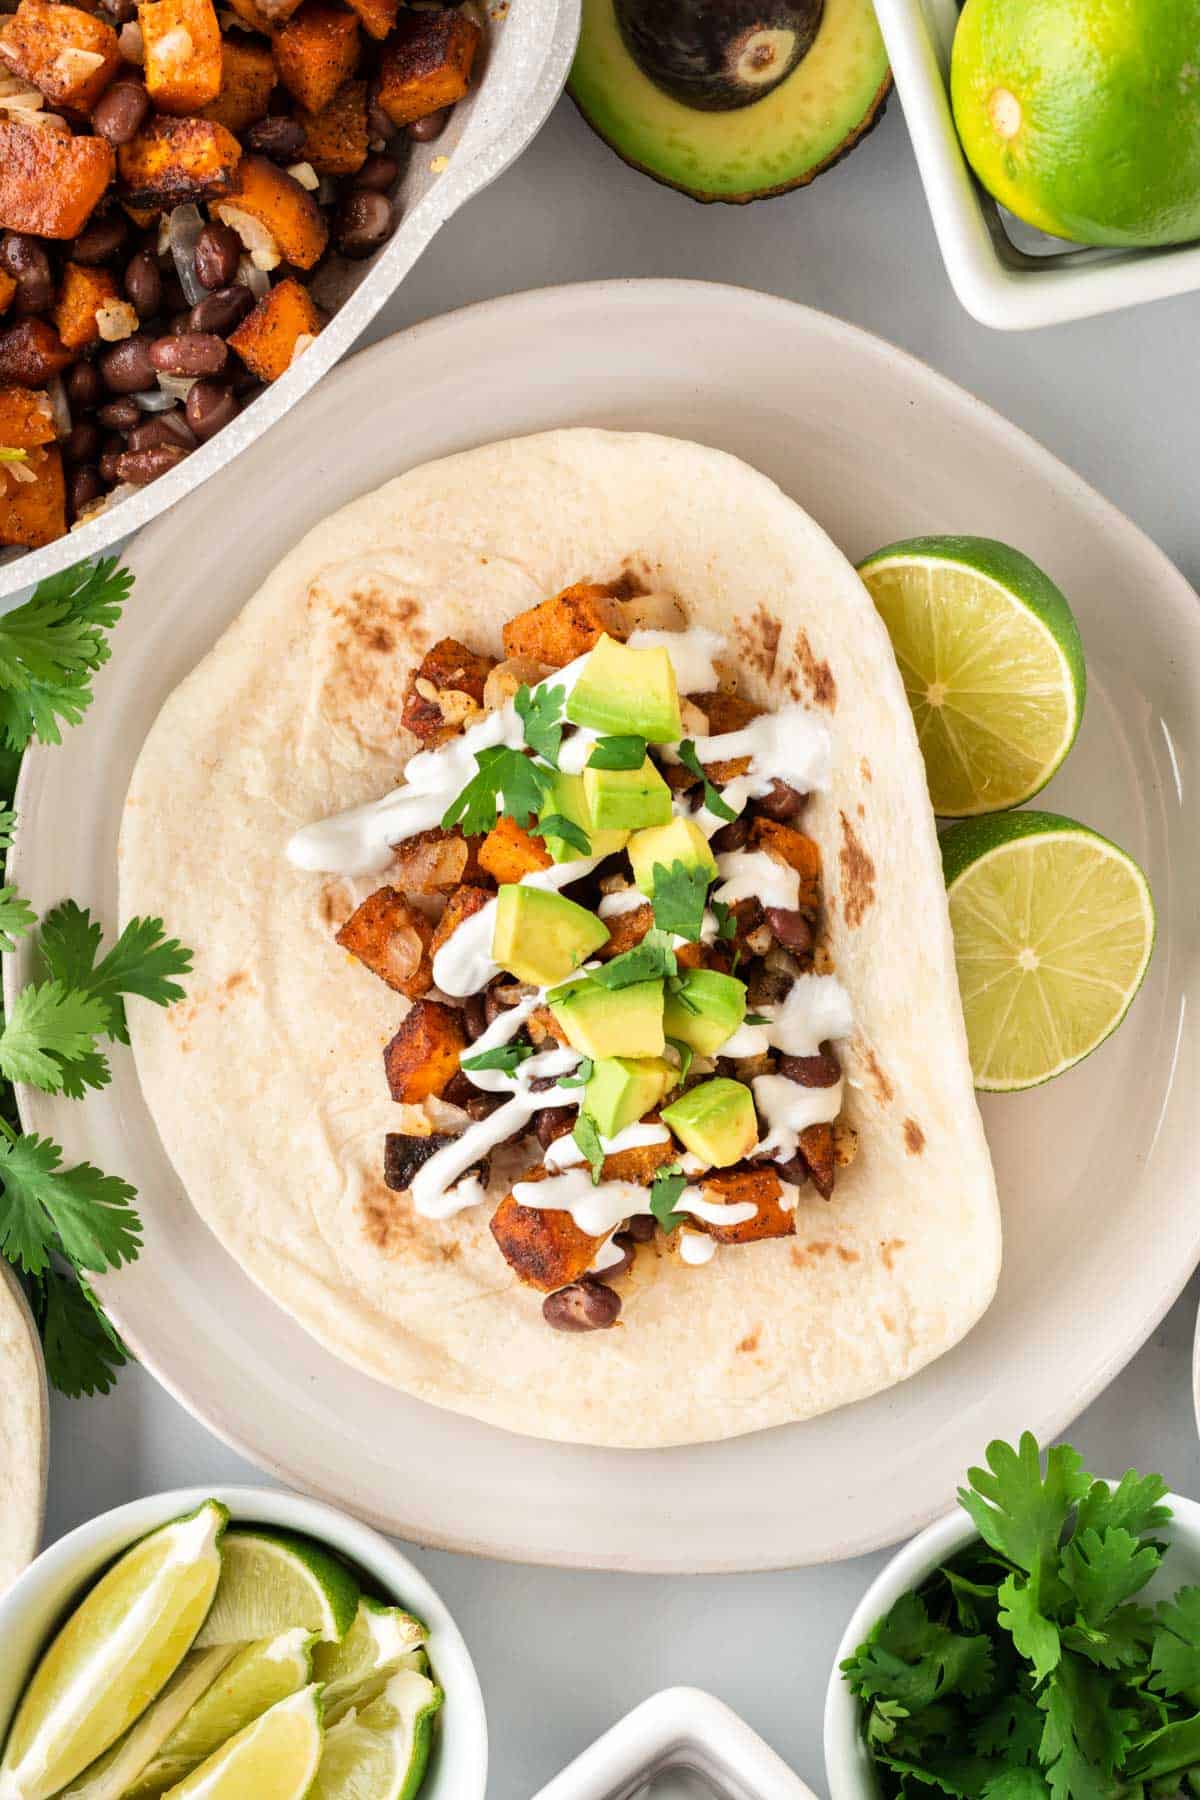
[{"x": 208, "y": 1644}]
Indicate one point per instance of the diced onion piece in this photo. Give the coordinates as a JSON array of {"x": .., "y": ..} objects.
[
  {"x": 183, "y": 234},
  {"x": 260, "y": 245},
  {"x": 257, "y": 280},
  {"x": 60, "y": 406},
  {"x": 115, "y": 320},
  {"x": 72, "y": 65},
  {"x": 178, "y": 387},
  {"x": 174, "y": 47},
  {"x": 153, "y": 400},
  {"x": 130, "y": 44},
  {"x": 304, "y": 342},
  {"x": 306, "y": 175}
]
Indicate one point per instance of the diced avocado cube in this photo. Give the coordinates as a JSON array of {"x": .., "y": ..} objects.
[
  {"x": 566, "y": 797},
  {"x": 602, "y": 1021},
  {"x": 623, "y": 1089},
  {"x": 628, "y": 798},
  {"x": 540, "y": 936},
  {"x": 704, "y": 1009},
  {"x": 627, "y": 693},
  {"x": 680, "y": 841},
  {"x": 715, "y": 1121}
]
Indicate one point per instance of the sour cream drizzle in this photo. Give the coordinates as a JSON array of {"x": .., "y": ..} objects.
[
  {"x": 753, "y": 875},
  {"x": 564, "y": 1152},
  {"x": 696, "y": 1247}
]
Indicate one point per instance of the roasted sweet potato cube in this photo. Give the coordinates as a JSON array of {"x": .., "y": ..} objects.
[
  {"x": 183, "y": 53},
  {"x": 173, "y": 161},
  {"x": 424, "y": 1054},
  {"x": 8, "y": 288},
  {"x": 725, "y": 712},
  {"x": 392, "y": 939},
  {"x": 426, "y": 64},
  {"x": 435, "y": 862},
  {"x": 544, "y": 1028},
  {"x": 641, "y": 1163},
  {"x": 336, "y": 139},
  {"x": 787, "y": 845},
  {"x": 316, "y": 51},
  {"x": 378, "y": 16},
  {"x": 83, "y": 289},
  {"x": 30, "y": 353},
  {"x": 273, "y": 199},
  {"x": 445, "y": 692},
  {"x": 509, "y": 853},
  {"x": 563, "y": 627},
  {"x": 544, "y": 1247},
  {"x": 26, "y": 418},
  {"x": 33, "y": 499},
  {"x": 280, "y": 328},
  {"x": 462, "y": 905},
  {"x": 818, "y": 1146},
  {"x": 733, "y": 1187},
  {"x": 247, "y": 78},
  {"x": 69, "y": 54},
  {"x": 625, "y": 931},
  {"x": 49, "y": 182},
  {"x": 254, "y": 17}
]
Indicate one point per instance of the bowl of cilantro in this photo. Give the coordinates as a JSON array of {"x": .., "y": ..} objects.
[{"x": 1040, "y": 1643}]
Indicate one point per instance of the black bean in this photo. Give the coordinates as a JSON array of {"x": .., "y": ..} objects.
[
  {"x": 127, "y": 368},
  {"x": 82, "y": 442},
  {"x": 278, "y": 137},
  {"x": 379, "y": 124},
  {"x": 219, "y": 312},
  {"x": 363, "y": 221},
  {"x": 586, "y": 1305},
  {"x": 83, "y": 486},
  {"x": 100, "y": 240},
  {"x": 25, "y": 260},
  {"x": 820, "y": 1071},
  {"x": 120, "y": 415},
  {"x": 783, "y": 802},
  {"x": 216, "y": 256},
  {"x": 627, "y": 1245},
  {"x": 143, "y": 284},
  {"x": 431, "y": 126},
  {"x": 766, "y": 986},
  {"x": 732, "y": 836},
  {"x": 498, "y": 996},
  {"x": 84, "y": 386},
  {"x": 170, "y": 428},
  {"x": 791, "y": 928},
  {"x": 378, "y": 173},
  {"x": 188, "y": 353},
  {"x": 119, "y": 114},
  {"x": 642, "y": 1227},
  {"x": 210, "y": 405},
  {"x": 111, "y": 449},
  {"x": 795, "y": 1171},
  {"x": 549, "y": 1123},
  {"x": 141, "y": 466},
  {"x": 474, "y": 1017}
]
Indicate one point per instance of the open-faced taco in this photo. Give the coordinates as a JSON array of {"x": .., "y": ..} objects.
[{"x": 575, "y": 1039}]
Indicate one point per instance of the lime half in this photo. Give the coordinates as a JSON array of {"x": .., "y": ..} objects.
[
  {"x": 991, "y": 662},
  {"x": 275, "y": 1758},
  {"x": 1053, "y": 930},
  {"x": 376, "y": 1645},
  {"x": 381, "y": 1752},
  {"x": 115, "y": 1653},
  {"x": 271, "y": 1581}
]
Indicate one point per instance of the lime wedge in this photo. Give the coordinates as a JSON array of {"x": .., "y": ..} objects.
[
  {"x": 117, "y": 1650},
  {"x": 258, "y": 1677},
  {"x": 275, "y": 1758},
  {"x": 271, "y": 1581},
  {"x": 116, "y": 1772},
  {"x": 380, "y": 1638},
  {"x": 1053, "y": 930},
  {"x": 381, "y": 1752},
  {"x": 991, "y": 662}
]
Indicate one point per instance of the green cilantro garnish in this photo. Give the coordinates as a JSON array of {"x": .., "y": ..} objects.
[
  {"x": 506, "y": 1057},
  {"x": 559, "y": 826},
  {"x": 582, "y": 1075},
  {"x": 677, "y": 989},
  {"x": 1027, "y": 1668},
  {"x": 540, "y": 712},
  {"x": 142, "y": 962},
  {"x": 665, "y": 1190},
  {"x": 678, "y": 899},
  {"x": 89, "y": 1216},
  {"x": 83, "y": 1352},
  {"x": 52, "y": 645},
  {"x": 618, "y": 753},
  {"x": 756, "y": 1019},
  {"x": 651, "y": 960},
  {"x": 712, "y": 798},
  {"x": 507, "y": 781},
  {"x": 685, "y": 1053},
  {"x": 726, "y": 922},
  {"x": 587, "y": 1136}
]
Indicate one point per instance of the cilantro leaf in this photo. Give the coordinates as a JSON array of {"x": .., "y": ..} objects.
[
  {"x": 1085, "y": 1735},
  {"x": 50, "y": 647},
  {"x": 1103, "y": 1570},
  {"x": 83, "y": 1352},
  {"x": 665, "y": 1189},
  {"x": 506, "y": 781},
  {"x": 1015, "y": 1783},
  {"x": 16, "y": 918},
  {"x": 756, "y": 1019},
  {"x": 581, "y": 1077},
  {"x": 685, "y": 1053},
  {"x": 49, "y": 1025},
  {"x": 1174, "y": 1747},
  {"x": 45, "y": 1207},
  {"x": 1133, "y": 1504},
  {"x": 651, "y": 960},
  {"x": 559, "y": 826},
  {"x": 1022, "y": 1516},
  {"x": 507, "y": 1057},
  {"x": 1012, "y": 1729},
  {"x": 915, "y": 1660},
  {"x": 1175, "y": 1657},
  {"x": 726, "y": 922},
  {"x": 142, "y": 961},
  {"x": 1123, "y": 1642},
  {"x": 712, "y": 798},
  {"x": 678, "y": 899},
  {"x": 8, "y": 828},
  {"x": 1035, "y": 1637},
  {"x": 540, "y": 712},
  {"x": 618, "y": 753},
  {"x": 587, "y": 1136}
]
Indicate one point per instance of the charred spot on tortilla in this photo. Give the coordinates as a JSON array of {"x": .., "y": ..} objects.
[
  {"x": 878, "y": 1081},
  {"x": 758, "y": 640},
  {"x": 914, "y": 1137},
  {"x": 858, "y": 876},
  {"x": 887, "y": 1252},
  {"x": 628, "y": 585},
  {"x": 818, "y": 676},
  {"x": 864, "y": 769},
  {"x": 750, "y": 1342}
]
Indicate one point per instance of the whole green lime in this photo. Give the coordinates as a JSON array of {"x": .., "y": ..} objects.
[{"x": 1083, "y": 116}]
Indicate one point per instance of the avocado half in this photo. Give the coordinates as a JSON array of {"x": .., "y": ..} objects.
[{"x": 730, "y": 99}]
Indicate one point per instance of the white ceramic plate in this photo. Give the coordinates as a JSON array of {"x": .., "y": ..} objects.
[
  {"x": 1096, "y": 1170},
  {"x": 24, "y": 1416}
]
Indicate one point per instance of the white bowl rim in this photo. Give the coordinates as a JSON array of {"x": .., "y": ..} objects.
[{"x": 118, "y": 1529}]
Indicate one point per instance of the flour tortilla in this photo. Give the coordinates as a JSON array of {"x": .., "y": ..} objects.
[
  {"x": 266, "y": 1083},
  {"x": 22, "y": 1432}
]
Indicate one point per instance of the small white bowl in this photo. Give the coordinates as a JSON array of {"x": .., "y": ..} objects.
[
  {"x": 38, "y": 1600},
  {"x": 848, "y": 1768},
  {"x": 999, "y": 282}
]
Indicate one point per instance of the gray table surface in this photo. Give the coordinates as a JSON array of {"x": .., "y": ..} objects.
[{"x": 561, "y": 1655}]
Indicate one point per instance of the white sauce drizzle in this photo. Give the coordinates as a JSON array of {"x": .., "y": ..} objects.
[
  {"x": 606, "y": 1257},
  {"x": 754, "y": 875},
  {"x": 691, "y": 652},
  {"x": 596, "y": 1210},
  {"x": 815, "y": 1010},
  {"x": 463, "y": 965},
  {"x": 626, "y": 901},
  {"x": 564, "y": 1152},
  {"x": 696, "y": 1247},
  {"x": 715, "y": 1212}
]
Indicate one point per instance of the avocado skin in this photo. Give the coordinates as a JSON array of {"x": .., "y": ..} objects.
[{"x": 692, "y": 49}]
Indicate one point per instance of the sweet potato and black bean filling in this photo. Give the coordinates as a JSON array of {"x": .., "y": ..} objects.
[{"x": 600, "y": 901}]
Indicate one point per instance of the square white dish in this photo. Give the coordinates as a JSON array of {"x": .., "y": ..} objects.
[
  {"x": 684, "y": 1733},
  {"x": 1000, "y": 283}
]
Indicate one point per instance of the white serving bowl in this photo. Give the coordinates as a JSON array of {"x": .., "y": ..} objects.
[
  {"x": 848, "y": 1768},
  {"x": 39, "y": 1599},
  {"x": 999, "y": 282}
]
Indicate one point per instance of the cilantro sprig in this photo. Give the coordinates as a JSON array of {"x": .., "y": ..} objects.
[
  {"x": 506, "y": 780},
  {"x": 651, "y": 960},
  {"x": 720, "y": 808},
  {"x": 618, "y": 753},
  {"x": 505, "y": 1057},
  {"x": 52, "y": 645},
  {"x": 587, "y": 1135},
  {"x": 1030, "y": 1667},
  {"x": 679, "y": 897},
  {"x": 557, "y": 825},
  {"x": 540, "y": 712},
  {"x": 665, "y": 1189}
]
